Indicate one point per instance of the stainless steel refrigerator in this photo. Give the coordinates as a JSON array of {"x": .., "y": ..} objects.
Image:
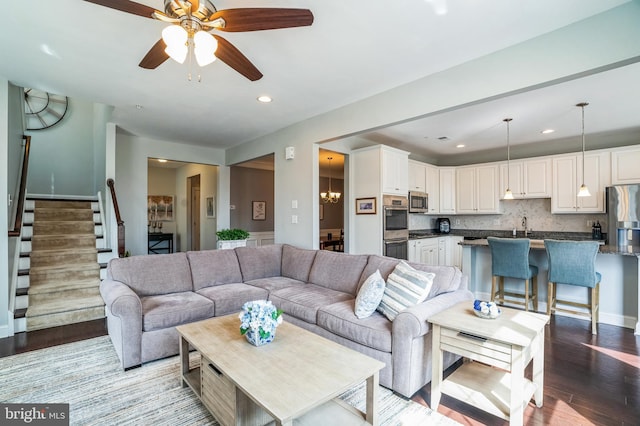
[{"x": 623, "y": 208}]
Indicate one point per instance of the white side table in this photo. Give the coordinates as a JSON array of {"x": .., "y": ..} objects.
[{"x": 509, "y": 343}]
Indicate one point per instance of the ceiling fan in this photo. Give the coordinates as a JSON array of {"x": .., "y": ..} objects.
[{"x": 193, "y": 21}]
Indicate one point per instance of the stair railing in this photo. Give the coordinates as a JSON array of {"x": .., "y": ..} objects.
[
  {"x": 22, "y": 193},
  {"x": 119, "y": 221}
]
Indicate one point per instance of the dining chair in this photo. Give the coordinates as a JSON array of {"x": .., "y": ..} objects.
[
  {"x": 574, "y": 263},
  {"x": 510, "y": 259}
]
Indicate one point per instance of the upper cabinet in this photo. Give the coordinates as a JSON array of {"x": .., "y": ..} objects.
[
  {"x": 432, "y": 188},
  {"x": 527, "y": 178},
  {"x": 417, "y": 176},
  {"x": 567, "y": 179},
  {"x": 477, "y": 190},
  {"x": 395, "y": 174},
  {"x": 624, "y": 166},
  {"x": 447, "y": 190}
]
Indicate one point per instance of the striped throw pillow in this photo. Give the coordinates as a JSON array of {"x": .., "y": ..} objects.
[{"x": 405, "y": 287}]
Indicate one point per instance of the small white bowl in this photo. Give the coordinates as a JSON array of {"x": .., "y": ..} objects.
[{"x": 479, "y": 313}]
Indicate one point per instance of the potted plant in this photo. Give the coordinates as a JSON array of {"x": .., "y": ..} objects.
[{"x": 231, "y": 238}]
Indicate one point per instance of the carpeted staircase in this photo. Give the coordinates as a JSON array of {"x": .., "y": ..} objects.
[{"x": 64, "y": 275}]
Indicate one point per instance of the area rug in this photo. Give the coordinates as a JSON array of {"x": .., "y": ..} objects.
[{"x": 87, "y": 376}]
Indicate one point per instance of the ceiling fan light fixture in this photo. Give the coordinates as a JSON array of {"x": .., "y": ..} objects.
[
  {"x": 205, "y": 48},
  {"x": 175, "y": 37}
]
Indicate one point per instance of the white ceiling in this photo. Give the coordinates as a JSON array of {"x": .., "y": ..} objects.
[{"x": 353, "y": 50}]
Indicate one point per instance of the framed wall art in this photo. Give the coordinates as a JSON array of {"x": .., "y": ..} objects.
[
  {"x": 160, "y": 208},
  {"x": 366, "y": 205},
  {"x": 259, "y": 209},
  {"x": 211, "y": 207}
]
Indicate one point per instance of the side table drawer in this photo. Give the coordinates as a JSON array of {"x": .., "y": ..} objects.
[
  {"x": 476, "y": 348},
  {"x": 218, "y": 394}
]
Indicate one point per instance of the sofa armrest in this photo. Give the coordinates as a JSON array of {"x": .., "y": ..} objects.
[
  {"x": 414, "y": 321},
  {"x": 124, "y": 320}
]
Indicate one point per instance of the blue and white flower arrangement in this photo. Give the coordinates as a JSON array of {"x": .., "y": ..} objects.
[
  {"x": 486, "y": 309},
  {"x": 258, "y": 321}
]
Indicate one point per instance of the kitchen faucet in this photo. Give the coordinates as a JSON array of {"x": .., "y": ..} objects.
[{"x": 524, "y": 225}]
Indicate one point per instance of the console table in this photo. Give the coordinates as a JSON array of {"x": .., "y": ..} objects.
[
  {"x": 160, "y": 243},
  {"x": 508, "y": 342}
]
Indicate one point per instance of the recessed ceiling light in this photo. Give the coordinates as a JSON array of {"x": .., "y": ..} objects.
[
  {"x": 138, "y": 106},
  {"x": 460, "y": 145},
  {"x": 264, "y": 99},
  {"x": 547, "y": 131},
  {"x": 161, "y": 160},
  {"x": 443, "y": 138}
]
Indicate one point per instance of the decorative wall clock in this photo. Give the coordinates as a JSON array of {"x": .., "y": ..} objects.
[{"x": 42, "y": 109}]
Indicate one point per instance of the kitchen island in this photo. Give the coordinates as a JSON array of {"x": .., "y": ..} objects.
[{"x": 619, "y": 266}]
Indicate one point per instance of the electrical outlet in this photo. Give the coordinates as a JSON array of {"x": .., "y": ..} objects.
[
  {"x": 496, "y": 222},
  {"x": 457, "y": 221},
  {"x": 294, "y": 218},
  {"x": 589, "y": 222}
]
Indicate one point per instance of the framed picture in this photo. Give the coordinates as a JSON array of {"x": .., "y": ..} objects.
[
  {"x": 321, "y": 211},
  {"x": 211, "y": 207},
  {"x": 366, "y": 205},
  {"x": 259, "y": 209},
  {"x": 160, "y": 208}
]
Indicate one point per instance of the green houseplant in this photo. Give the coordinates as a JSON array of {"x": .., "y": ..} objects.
[{"x": 231, "y": 238}]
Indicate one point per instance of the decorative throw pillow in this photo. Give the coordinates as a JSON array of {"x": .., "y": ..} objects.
[
  {"x": 369, "y": 295},
  {"x": 405, "y": 287}
]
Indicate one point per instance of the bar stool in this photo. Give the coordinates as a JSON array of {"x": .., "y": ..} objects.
[
  {"x": 510, "y": 258},
  {"x": 574, "y": 263}
]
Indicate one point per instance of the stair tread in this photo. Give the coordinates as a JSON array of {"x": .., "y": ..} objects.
[
  {"x": 76, "y": 284},
  {"x": 20, "y": 313},
  {"x": 69, "y": 304},
  {"x": 80, "y": 250},
  {"x": 72, "y": 267}
]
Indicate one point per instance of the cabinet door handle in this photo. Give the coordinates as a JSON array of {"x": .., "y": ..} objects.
[
  {"x": 472, "y": 336},
  {"x": 215, "y": 370}
]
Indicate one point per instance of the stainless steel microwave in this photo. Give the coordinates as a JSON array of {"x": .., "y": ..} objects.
[{"x": 418, "y": 202}]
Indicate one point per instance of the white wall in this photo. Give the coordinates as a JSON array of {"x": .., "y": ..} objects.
[
  {"x": 131, "y": 154},
  {"x": 4, "y": 229}
]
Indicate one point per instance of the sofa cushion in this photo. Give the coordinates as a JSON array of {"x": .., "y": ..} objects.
[
  {"x": 214, "y": 267},
  {"x": 229, "y": 298},
  {"x": 274, "y": 283},
  {"x": 260, "y": 262},
  {"x": 338, "y": 271},
  {"x": 151, "y": 275},
  {"x": 339, "y": 319},
  {"x": 447, "y": 279},
  {"x": 296, "y": 262},
  {"x": 384, "y": 264},
  {"x": 303, "y": 302},
  {"x": 169, "y": 310},
  {"x": 406, "y": 287},
  {"x": 369, "y": 295}
]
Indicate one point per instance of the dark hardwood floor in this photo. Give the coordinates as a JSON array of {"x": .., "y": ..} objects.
[{"x": 589, "y": 380}]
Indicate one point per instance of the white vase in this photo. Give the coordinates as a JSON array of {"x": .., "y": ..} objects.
[{"x": 231, "y": 244}]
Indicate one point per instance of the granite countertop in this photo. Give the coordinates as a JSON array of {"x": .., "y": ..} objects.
[{"x": 478, "y": 238}]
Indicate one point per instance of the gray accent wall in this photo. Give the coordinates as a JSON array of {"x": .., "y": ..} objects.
[{"x": 248, "y": 185}]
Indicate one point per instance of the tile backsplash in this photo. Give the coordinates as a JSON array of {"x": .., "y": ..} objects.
[{"x": 537, "y": 212}]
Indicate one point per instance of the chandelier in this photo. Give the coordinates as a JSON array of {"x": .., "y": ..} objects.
[{"x": 330, "y": 196}]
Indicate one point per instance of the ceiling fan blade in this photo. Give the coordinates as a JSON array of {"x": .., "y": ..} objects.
[
  {"x": 126, "y": 6},
  {"x": 256, "y": 19},
  {"x": 231, "y": 56},
  {"x": 155, "y": 56}
]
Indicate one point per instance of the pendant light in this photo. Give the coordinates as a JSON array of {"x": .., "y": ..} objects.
[
  {"x": 584, "y": 191},
  {"x": 330, "y": 196},
  {"x": 507, "y": 194}
]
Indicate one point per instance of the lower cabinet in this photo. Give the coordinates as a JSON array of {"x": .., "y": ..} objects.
[{"x": 436, "y": 251}]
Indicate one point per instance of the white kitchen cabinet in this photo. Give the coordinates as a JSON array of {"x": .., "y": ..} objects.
[
  {"x": 395, "y": 171},
  {"x": 625, "y": 166},
  {"x": 428, "y": 251},
  {"x": 567, "y": 179},
  {"x": 454, "y": 251},
  {"x": 432, "y": 188},
  {"x": 443, "y": 252},
  {"x": 447, "y": 190},
  {"x": 417, "y": 176},
  {"x": 527, "y": 178},
  {"x": 477, "y": 189},
  {"x": 436, "y": 251}
]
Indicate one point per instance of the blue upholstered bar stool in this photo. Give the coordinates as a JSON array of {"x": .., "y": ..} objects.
[
  {"x": 574, "y": 263},
  {"x": 510, "y": 258}
]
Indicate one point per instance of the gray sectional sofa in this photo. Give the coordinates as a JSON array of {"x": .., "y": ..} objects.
[{"x": 147, "y": 296}]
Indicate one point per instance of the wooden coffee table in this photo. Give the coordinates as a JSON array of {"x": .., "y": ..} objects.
[
  {"x": 500, "y": 349},
  {"x": 297, "y": 376}
]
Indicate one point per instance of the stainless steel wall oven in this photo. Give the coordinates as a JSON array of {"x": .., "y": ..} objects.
[{"x": 395, "y": 222}]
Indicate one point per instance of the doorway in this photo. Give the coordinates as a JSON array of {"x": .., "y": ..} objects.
[
  {"x": 193, "y": 212},
  {"x": 332, "y": 195}
]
